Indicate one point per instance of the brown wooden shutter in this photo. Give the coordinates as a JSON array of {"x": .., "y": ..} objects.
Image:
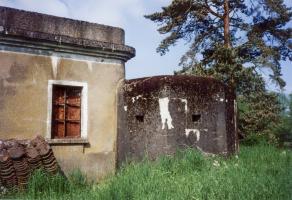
[
  {"x": 58, "y": 115},
  {"x": 73, "y": 114},
  {"x": 66, "y": 115}
]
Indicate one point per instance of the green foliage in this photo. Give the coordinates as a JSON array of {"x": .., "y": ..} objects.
[
  {"x": 259, "y": 110},
  {"x": 259, "y": 116},
  {"x": 284, "y": 130},
  {"x": 77, "y": 179},
  {"x": 253, "y": 140},
  {"x": 290, "y": 106},
  {"x": 46, "y": 186},
  {"x": 257, "y": 172},
  {"x": 42, "y": 184}
]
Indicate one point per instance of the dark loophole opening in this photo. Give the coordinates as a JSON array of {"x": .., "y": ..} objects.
[
  {"x": 140, "y": 118},
  {"x": 196, "y": 117}
]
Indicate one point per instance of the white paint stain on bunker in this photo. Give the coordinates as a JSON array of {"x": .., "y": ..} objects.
[
  {"x": 164, "y": 113},
  {"x": 186, "y": 104},
  {"x": 55, "y": 62},
  {"x": 194, "y": 131},
  {"x": 136, "y": 98}
]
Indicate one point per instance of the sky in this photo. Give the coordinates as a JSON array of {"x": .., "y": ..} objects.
[{"x": 140, "y": 32}]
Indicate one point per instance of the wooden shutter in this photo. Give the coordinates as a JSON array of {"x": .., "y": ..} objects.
[
  {"x": 73, "y": 112},
  {"x": 66, "y": 115},
  {"x": 58, "y": 112}
]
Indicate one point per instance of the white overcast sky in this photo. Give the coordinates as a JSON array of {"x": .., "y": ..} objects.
[{"x": 140, "y": 32}]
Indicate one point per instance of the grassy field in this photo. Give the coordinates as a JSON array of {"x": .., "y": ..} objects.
[{"x": 259, "y": 172}]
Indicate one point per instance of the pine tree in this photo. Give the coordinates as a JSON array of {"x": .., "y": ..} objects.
[{"x": 233, "y": 37}]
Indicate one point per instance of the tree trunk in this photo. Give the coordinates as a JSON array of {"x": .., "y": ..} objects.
[{"x": 226, "y": 24}]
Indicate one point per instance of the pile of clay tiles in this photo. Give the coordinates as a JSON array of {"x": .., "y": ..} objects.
[{"x": 19, "y": 158}]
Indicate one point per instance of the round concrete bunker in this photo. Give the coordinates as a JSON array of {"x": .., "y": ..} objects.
[{"x": 159, "y": 115}]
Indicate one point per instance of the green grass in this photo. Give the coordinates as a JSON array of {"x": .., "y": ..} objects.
[{"x": 259, "y": 172}]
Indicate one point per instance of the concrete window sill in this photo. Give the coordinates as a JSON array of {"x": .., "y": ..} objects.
[{"x": 68, "y": 141}]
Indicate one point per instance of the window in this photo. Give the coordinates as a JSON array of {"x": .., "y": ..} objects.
[
  {"x": 67, "y": 110},
  {"x": 196, "y": 117},
  {"x": 140, "y": 118}
]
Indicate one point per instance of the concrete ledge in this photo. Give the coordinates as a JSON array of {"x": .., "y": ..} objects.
[
  {"x": 65, "y": 34},
  {"x": 148, "y": 85},
  {"x": 35, "y": 23},
  {"x": 100, "y": 50},
  {"x": 68, "y": 141}
]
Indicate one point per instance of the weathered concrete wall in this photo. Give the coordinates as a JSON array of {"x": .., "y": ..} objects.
[
  {"x": 49, "y": 33},
  {"x": 30, "y": 56},
  {"x": 38, "y": 25},
  {"x": 24, "y": 98},
  {"x": 162, "y": 114}
]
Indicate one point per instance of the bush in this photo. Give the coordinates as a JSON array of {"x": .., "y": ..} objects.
[
  {"x": 254, "y": 139},
  {"x": 284, "y": 130}
]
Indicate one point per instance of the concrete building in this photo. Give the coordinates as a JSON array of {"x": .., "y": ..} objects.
[
  {"x": 59, "y": 78},
  {"x": 159, "y": 115},
  {"x": 64, "y": 79}
]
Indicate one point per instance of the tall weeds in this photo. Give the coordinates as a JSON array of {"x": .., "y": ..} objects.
[{"x": 259, "y": 172}]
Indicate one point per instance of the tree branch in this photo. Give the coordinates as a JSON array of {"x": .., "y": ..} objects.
[{"x": 212, "y": 11}]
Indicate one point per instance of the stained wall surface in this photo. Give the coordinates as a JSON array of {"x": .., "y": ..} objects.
[
  {"x": 166, "y": 113},
  {"x": 30, "y": 58},
  {"x": 24, "y": 98}
]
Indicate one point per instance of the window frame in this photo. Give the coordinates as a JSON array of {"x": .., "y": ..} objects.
[{"x": 84, "y": 108}]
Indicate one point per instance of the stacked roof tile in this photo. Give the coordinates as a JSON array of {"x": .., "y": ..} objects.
[{"x": 19, "y": 158}]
